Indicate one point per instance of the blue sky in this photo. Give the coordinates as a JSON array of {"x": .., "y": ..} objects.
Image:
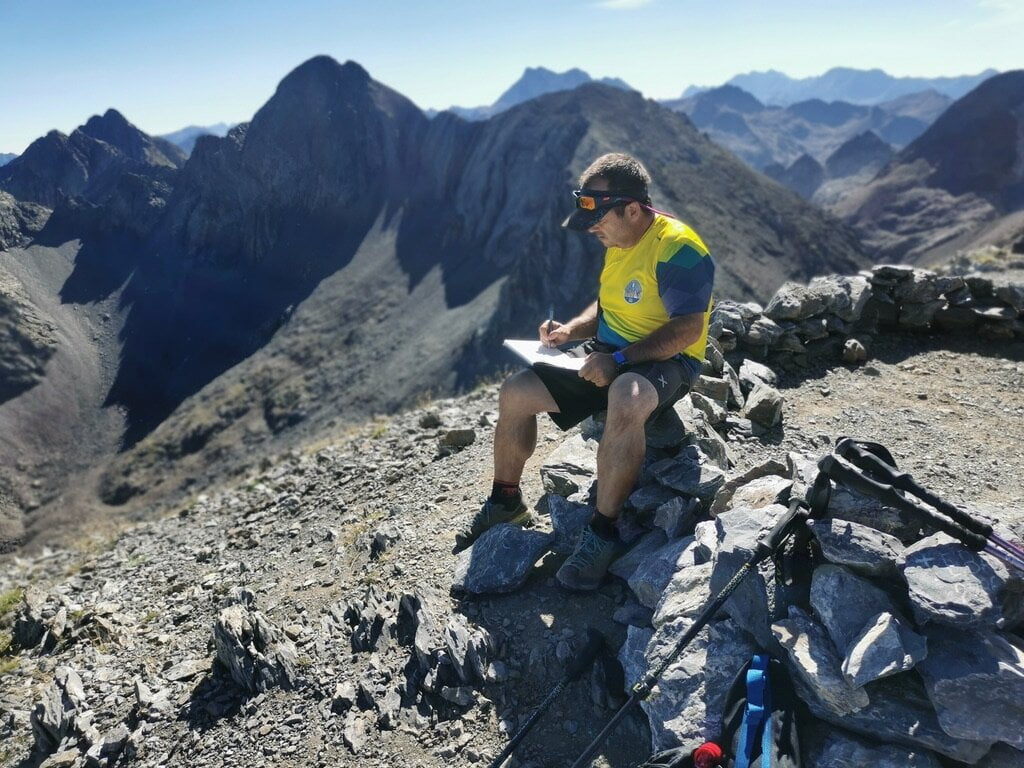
[{"x": 167, "y": 65}]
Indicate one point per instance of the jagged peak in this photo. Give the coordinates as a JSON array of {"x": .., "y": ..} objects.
[{"x": 324, "y": 69}]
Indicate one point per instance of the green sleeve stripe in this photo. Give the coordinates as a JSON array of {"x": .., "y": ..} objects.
[{"x": 686, "y": 257}]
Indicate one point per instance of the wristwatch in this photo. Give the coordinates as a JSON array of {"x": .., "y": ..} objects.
[{"x": 619, "y": 358}]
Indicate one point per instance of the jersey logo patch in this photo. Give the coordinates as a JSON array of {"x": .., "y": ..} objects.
[{"x": 633, "y": 292}]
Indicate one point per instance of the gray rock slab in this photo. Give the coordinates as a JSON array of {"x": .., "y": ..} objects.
[
  {"x": 763, "y": 492},
  {"x": 858, "y": 508},
  {"x": 186, "y": 670},
  {"x": 500, "y": 560},
  {"x": 845, "y": 603},
  {"x": 639, "y": 553},
  {"x": 687, "y": 703},
  {"x": 835, "y": 748},
  {"x": 255, "y": 652},
  {"x": 762, "y": 333},
  {"x": 690, "y": 472},
  {"x": 651, "y": 496},
  {"x": 860, "y": 548},
  {"x": 712, "y": 410},
  {"x": 764, "y": 406},
  {"x": 736, "y": 394},
  {"x": 950, "y": 584},
  {"x": 898, "y": 712},
  {"x": 677, "y": 516},
  {"x": 884, "y": 647},
  {"x": 715, "y": 447},
  {"x": 723, "y": 498},
  {"x": 716, "y": 389},
  {"x": 752, "y": 372},
  {"x": 811, "y": 656},
  {"x": 570, "y": 467},
  {"x": 975, "y": 680},
  {"x": 653, "y": 574},
  {"x": 739, "y": 531},
  {"x": 685, "y": 595},
  {"x": 568, "y": 519}
]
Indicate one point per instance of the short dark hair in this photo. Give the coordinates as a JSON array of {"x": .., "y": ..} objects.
[{"x": 624, "y": 174}]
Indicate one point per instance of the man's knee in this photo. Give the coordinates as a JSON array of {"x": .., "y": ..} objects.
[
  {"x": 523, "y": 393},
  {"x": 631, "y": 397}
]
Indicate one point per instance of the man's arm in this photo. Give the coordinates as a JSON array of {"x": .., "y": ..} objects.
[
  {"x": 668, "y": 341},
  {"x": 583, "y": 326}
]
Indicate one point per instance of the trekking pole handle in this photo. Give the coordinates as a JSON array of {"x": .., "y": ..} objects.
[
  {"x": 842, "y": 472},
  {"x": 868, "y": 461}
]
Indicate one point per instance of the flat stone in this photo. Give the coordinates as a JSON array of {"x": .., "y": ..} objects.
[
  {"x": 186, "y": 670},
  {"x": 763, "y": 492},
  {"x": 836, "y": 748},
  {"x": 685, "y": 595},
  {"x": 975, "y": 679},
  {"x": 1001, "y": 756},
  {"x": 690, "y": 473},
  {"x": 650, "y": 542},
  {"x": 763, "y": 332},
  {"x": 885, "y": 646},
  {"x": 570, "y": 467},
  {"x": 716, "y": 389},
  {"x": 860, "y": 548},
  {"x": 812, "y": 658},
  {"x": 568, "y": 519},
  {"x": 953, "y": 585},
  {"x": 764, "y": 405},
  {"x": 651, "y": 576},
  {"x": 738, "y": 532},
  {"x": 899, "y": 712},
  {"x": 846, "y": 602},
  {"x": 752, "y": 372},
  {"x": 713, "y": 410},
  {"x": 689, "y": 699},
  {"x": 677, "y": 516},
  {"x": 723, "y": 498},
  {"x": 499, "y": 561},
  {"x": 651, "y": 496}
]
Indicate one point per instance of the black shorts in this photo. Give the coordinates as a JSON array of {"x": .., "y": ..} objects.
[{"x": 578, "y": 398}]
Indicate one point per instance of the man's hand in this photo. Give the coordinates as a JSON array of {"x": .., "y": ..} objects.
[
  {"x": 599, "y": 368},
  {"x": 560, "y": 334}
]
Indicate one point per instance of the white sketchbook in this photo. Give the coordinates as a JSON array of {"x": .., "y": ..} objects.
[{"x": 532, "y": 351}]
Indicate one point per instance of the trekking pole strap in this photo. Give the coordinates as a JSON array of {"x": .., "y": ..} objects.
[{"x": 757, "y": 715}]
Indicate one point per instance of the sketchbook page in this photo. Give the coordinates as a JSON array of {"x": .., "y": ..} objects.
[{"x": 532, "y": 351}]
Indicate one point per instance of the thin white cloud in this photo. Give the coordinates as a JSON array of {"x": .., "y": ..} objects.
[{"x": 623, "y": 5}]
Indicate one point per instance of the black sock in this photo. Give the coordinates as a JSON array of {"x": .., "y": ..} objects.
[
  {"x": 506, "y": 494},
  {"x": 604, "y": 527}
]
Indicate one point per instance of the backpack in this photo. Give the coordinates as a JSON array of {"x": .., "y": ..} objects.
[{"x": 760, "y": 719}]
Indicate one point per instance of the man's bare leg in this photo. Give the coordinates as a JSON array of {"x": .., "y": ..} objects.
[
  {"x": 521, "y": 398},
  {"x": 631, "y": 399}
]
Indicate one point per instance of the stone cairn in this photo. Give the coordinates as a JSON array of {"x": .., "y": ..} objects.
[{"x": 905, "y": 645}]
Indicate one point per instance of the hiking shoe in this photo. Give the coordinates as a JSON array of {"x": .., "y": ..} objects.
[
  {"x": 586, "y": 567},
  {"x": 491, "y": 514}
]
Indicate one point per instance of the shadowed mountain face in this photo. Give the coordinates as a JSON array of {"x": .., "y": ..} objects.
[
  {"x": 955, "y": 183},
  {"x": 88, "y": 163}
]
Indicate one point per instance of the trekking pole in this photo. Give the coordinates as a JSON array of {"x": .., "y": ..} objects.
[
  {"x": 581, "y": 663},
  {"x": 796, "y": 516},
  {"x": 843, "y": 472},
  {"x": 874, "y": 459}
]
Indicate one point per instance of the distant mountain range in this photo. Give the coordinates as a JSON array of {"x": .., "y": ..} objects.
[
  {"x": 957, "y": 186},
  {"x": 339, "y": 255},
  {"x": 856, "y": 86},
  {"x": 767, "y": 136},
  {"x": 6, "y": 158},
  {"x": 534, "y": 82},
  {"x": 186, "y": 137}
]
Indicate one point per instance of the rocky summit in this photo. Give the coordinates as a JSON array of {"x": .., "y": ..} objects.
[{"x": 310, "y": 612}]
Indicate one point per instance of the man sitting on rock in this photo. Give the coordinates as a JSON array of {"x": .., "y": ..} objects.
[{"x": 646, "y": 335}]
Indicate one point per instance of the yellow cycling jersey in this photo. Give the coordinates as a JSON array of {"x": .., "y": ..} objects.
[{"x": 667, "y": 274}]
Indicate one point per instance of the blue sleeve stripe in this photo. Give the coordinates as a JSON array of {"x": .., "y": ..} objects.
[
  {"x": 608, "y": 336},
  {"x": 686, "y": 257},
  {"x": 685, "y": 291}
]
